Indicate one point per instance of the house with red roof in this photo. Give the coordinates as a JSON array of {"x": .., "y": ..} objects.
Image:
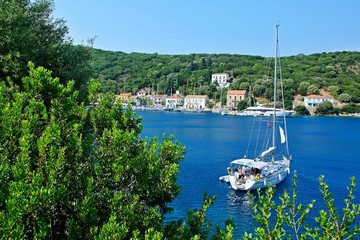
[
  {"x": 174, "y": 101},
  {"x": 234, "y": 96},
  {"x": 313, "y": 100}
]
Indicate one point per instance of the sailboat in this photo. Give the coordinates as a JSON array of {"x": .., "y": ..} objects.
[{"x": 271, "y": 164}]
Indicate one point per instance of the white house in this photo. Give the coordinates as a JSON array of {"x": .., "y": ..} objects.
[
  {"x": 173, "y": 102},
  {"x": 222, "y": 79},
  {"x": 159, "y": 99},
  {"x": 196, "y": 102},
  {"x": 313, "y": 101},
  {"x": 234, "y": 96},
  {"x": 141, "y": 93}
]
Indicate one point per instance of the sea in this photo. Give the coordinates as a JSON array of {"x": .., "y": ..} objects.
[{"x": 328, "y": 146}]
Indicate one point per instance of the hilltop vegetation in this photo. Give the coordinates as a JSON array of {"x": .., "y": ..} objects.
[{"x": 338, "y": 73}]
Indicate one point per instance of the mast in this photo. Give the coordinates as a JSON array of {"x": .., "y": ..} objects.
[{"x": 275, "y": 88}]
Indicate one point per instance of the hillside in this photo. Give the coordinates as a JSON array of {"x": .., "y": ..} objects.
[{"x": 337, "y": 73}]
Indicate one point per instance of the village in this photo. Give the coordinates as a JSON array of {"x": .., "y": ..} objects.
[{"x": 148, "y": 99}]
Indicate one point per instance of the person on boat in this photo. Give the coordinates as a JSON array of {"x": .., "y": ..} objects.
[
  {"x": 241, "y": 172},
  {"x": 242, "y": 177}
]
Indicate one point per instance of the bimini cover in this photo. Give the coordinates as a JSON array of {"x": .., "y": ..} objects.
[{"x": 250, "y": 163}]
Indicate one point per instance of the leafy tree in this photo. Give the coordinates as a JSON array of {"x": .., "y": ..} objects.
[
  {"x": 344, "y": 97},
  {"x": 313, "y": 89},
  {"x": 351, "y": 108},
  {"x": 325, "y": 108},
  {"x": 72, "y": 172},
  {"x": 258, "y": 90},
  {"x": 301, "y": 110},
  {"x": 29, "y": 33},
  {"x": 244, "y": 86},
  {"x": 334, "y": 90},
  {"x": 303, "y": 88},
  {"x": 242, "y": 104}
]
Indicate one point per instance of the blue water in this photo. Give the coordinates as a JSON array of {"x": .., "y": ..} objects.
[{"x": 328, "y": 146}]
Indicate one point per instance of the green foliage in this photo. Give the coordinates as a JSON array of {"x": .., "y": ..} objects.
[
  {"x": 331, "y": 224},
  {"x": 334, "y": 90},
  {"x": 326, "y": 108},
  {"x": 303, "y": 88},
  {"x": 351, "y": 108},
  {"x": 344, "y": 97},
  {"x": 67, "y": 171},
  {"x": 312, "y": 89},
  {"x": 289, "y": 221},
  {"x": 242, "y": 104},
  {"x": 30, "y": 33},
  {"x": 121, "y": 72},
  {"x": 197, "y": 226},
  {"x": 263, "y": 214},
  {"x": 301, "y": 110}
]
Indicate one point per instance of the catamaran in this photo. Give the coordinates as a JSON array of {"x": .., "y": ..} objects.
[{"x": 271, "y": 163}]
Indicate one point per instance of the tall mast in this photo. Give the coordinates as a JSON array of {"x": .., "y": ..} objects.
[{"x": 275, "y": 87}]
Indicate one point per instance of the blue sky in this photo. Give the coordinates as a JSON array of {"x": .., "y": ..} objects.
[{"x": 214, "y": 26}]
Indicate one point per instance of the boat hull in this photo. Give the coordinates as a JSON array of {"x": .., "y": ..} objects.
[
  {"x": 252, "y": 183},
  {"x": 265, "y": 112}
]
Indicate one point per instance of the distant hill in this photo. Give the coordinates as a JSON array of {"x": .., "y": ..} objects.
[{"x": 338, "y": 73}]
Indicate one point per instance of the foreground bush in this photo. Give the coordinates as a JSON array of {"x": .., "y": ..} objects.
[{"x": 275, "y": 219}]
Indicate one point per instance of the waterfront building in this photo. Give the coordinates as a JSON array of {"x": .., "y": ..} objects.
[
  {"x": 195, "y": 102},
  {"x": 124, "y": 97},
  {"x": 159, "y": 99},
  {"x": 173, "y": 102},
  {"x": 234, "y": 96}
]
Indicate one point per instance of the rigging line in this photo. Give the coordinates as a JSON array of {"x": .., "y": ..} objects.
[
  {"x": 258, "y": 137},
  {"x": 251, "y": 133},
  {"x": 283, "y": 105},
  {"x": 267, "y": 136}
]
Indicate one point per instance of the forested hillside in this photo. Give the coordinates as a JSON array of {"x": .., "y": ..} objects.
[{"x": 338, "y": 73}]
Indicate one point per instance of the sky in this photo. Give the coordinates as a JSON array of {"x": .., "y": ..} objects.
[{"x": 245, "y": 27}]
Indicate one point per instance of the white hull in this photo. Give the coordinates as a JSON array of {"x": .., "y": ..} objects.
[
  {"x": 265, "y": 112},
  {"x": 264, "y": 181}
]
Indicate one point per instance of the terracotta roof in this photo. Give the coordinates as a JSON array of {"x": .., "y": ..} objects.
[
  {"x": 125, "y": 94},
  {"x": 174, "y": 97},
  {"x": 315, "y": 96},
  {"x": 236, "y": 92},
  {"x": 160, "y": 95}
]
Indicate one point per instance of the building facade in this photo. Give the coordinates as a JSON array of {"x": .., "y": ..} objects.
[
  {"x": 313, "y": 101},
  {"x": 221, "y": 79},
  {"x": 124, "y": 97},
  {"x": 173, "y": 102},
  {"x": 234, "y": 96},
  {"x": 195, "y": 102},
  {"x": 159, "y": 100}
]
